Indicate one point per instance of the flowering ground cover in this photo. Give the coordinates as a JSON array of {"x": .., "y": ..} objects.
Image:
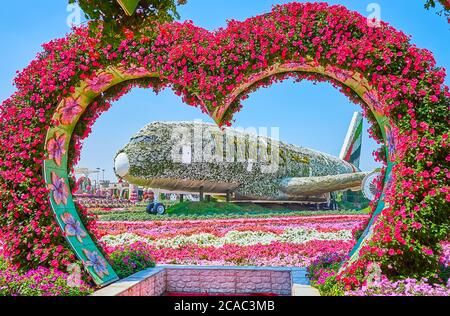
[
  {"x": 278, "y": 241},
  {"x": 39, "y": 282},
  {"x": 295, "y": 241},
  {"x": 408, "y": 287},
  {"x": 323, "y": 272},
  {"x": 204, "y": 210}
]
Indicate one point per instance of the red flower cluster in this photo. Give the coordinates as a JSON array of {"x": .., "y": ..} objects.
[{"x": 206, "y": 68}]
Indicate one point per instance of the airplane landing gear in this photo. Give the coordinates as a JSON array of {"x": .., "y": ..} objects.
[
  {"x": 160, "y": 209},
  {"x": 156, "y": 208}
]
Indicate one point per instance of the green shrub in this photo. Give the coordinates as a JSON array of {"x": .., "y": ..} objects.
[
  {"x": 322, "y": 273},
  {"x": 331, "y": 287}
]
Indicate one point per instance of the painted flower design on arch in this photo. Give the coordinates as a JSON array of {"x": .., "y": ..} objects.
[
  {"x": 73, "y": 227},
  {"x": 136, "y": 71},
  {"x": 56, "y": 148},
  {"x": 341, "y": 75},
  {"x": 99, "y": 83},
  {"x": 69, "y": 111},
  {"x": 390, "y": 143},
  {"x": 59, "y": 189},
  {"x": 97, "y": 262},
  {"x": 373, "y": 99},
  {"x": 296, "y": 65}
]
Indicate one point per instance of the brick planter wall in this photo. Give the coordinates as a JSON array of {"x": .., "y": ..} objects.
[
  {"x": 212, "y": 280},
  {"x": 228, "y": 280}
]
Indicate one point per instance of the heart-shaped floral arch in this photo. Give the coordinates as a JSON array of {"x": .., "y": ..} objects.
[{"x": 65, "y": 89}]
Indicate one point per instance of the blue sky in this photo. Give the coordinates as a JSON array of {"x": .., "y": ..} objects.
[{"x": 311, "y": 116}]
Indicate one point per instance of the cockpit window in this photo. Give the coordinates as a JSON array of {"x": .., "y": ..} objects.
[{"x": 143, "y": 139}]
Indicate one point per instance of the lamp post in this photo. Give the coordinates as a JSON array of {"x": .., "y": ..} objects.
[{"x": 98, "y": 178}]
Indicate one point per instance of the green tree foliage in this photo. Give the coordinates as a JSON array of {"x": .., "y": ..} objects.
[
  {"x": 111, "y": 16},
  {"x": 445, "y": 3}
]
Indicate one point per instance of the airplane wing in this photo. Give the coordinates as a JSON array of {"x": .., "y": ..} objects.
[{"x": 310, "y": 186}]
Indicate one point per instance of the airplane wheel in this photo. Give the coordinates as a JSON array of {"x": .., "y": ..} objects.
[
  {"x": 160, "y": 209},
  {"x": 150, "y": 209}
]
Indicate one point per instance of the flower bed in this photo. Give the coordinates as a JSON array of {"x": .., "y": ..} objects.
[
  {"x": 276, "y": 254},
  {"x": 324, "y": 275},
  {"x": 131, "y": 260},
  {"x": 103, "y": 203},
  {"x": 219, "y": 227},
  {"x": 280, "y": 241},
  {"x": 139, "y": 214}
]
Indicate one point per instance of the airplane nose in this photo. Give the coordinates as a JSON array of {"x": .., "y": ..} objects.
[{"x": 122, "y": 165}]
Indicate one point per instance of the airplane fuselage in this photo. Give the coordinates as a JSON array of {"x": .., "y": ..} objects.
[{"x": 191, "y": 156}]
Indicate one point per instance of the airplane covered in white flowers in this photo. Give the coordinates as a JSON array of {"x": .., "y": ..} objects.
[{"x": 195, "y": 157}]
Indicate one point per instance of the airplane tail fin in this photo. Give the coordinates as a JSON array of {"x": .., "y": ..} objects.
[{"x": 351, "y": 151}]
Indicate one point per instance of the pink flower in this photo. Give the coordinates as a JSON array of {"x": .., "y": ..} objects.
[
  {"x": 416, "y": 225},
  {"x": 434, "y": 99}
]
